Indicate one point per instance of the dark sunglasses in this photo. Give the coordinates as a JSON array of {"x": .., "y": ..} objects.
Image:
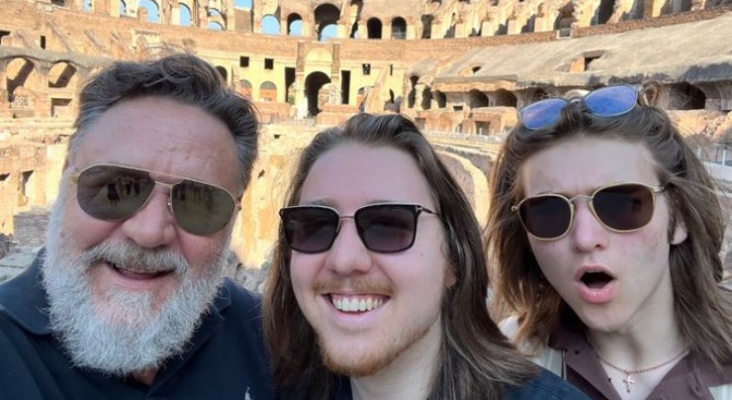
[
  {"x": 111, "y": 192},
  {"x": 610, "y": 101},
  {"x": 383, "y": 228},
  {"x": 624, "y": 207}
]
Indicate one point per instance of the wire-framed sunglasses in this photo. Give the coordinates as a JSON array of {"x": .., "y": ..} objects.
[
  {"x": 606, "y": 102},
  {"x": 383, "y": 227},
  {"x": 620, "y": 207},
  {"x": 113, "y": 192}
]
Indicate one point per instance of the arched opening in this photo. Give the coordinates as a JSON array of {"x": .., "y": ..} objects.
[
  {"x": 294, "y": 25},
  {"x": 504, "y": 98},
  {"x": 243, "y": 4},
  {"x": 216, "y": 21},
  {"x": 373, "y": 25},
  {"x": 313, "y": 83},
  {"x": 477, "y": 99},
  {"x": 122, "y": 8},
  {"x": 245, "y": 89},
  {"x": 398, "y": 28},
  {"x": 529, "y": 26},
  {"x": 427, "y": 26},
  {"x": 186, "y": 18},
  {"x": 153, "y": 14},
  {"x": 426, "y": 98},
  {"x": 412, "y": 96},
  {"x": 60, "y": 75},
  {"x": 325, "y": 15},
  {"x": 328, "y": 31},
  {"x": 270, "y": 25},
  {"x": 440, "y": 98},
  {"x": 21, "y": 81},
  {"x": 683, "y": 96},
  {"x": 603, "y": 12},
  {"x": 536, "y": 95},
  {"x": 268, "y": 91},
  {"x": 360, "y": 98},
  {"x": 222, "y": 71},
  {"x": 564, "y": 17}
]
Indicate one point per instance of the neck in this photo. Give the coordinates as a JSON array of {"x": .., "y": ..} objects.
[
  {"x": 652, "y": 336},
  {"x": 410, "y": 376}
]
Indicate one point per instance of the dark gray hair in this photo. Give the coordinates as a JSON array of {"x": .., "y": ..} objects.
[{"x": 181, "y": 77}]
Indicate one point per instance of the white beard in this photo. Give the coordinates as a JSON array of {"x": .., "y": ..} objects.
[{"x": 126, "y": 334}]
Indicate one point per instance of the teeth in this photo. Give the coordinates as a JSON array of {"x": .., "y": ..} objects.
[{"x": 356, "y": 304}]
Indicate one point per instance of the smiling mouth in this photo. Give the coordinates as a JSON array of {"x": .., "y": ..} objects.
[
  {"x": 138, "y": 275},
  {"x": 596, "y": 279},
  {"x": 354, "y": 304}
]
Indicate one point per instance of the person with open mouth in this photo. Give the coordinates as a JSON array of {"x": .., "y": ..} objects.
[
  {"x": 378, "y": 283},
  {"x": 605, "y": 233}
]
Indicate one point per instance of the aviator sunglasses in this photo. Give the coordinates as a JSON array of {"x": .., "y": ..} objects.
[
  {"x": 383, "y": 228},
  {"x": 624, "y": 207},
  {"x": 112, "y": 192},
  {"x": 610, "y": 101}
]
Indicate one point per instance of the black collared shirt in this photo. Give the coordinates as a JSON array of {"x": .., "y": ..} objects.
[{"x": 225, "y": 359}]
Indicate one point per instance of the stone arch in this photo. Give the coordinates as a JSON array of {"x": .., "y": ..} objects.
[
  {"x": 270, "y": 25},
  {"x": 412, "y": 95},
  {"x": 245, "y": 89},
  {"x": 477, "y": 99},
  {"x": 152, "y": 8},
  {"x": 62, "y": 75},
  {"x": 373, "y": 25},
  {"x": 603, "y": 12},
  {"x": 294, "y": 25},
  {"x": 427, "y": 21},
  {"x": 216, "y": 20},
  {"x": 22, "y": 83},
  {"x": 440, "y": 98},
  {"x": 313, "y": 83},
  {"x": 267, "y": 91},
  {"x": 504, "y": 98},
  {"x": 356, "y": 8},
  {"x": 398, "y": 28},
  {"x": 185, "y": 16},
  {"x": 426, "y": 98},
  {"x": 565, "y": 17},
  {"x": 684, "y": 96},
  {"x": 325, "y": 15}
]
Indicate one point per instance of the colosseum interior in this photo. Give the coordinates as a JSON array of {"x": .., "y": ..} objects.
[{"x": 460, "y": 69}]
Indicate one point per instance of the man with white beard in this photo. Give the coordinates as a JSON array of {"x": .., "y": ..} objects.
[{"x": 128, "y": 300}]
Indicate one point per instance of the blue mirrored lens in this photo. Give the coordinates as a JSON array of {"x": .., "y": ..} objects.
[
  {"x": 543, "y": 113},
  {"x": 611, "y": 101}
]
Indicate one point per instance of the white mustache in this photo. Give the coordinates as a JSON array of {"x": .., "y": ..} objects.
[{"x": 136, "y": 259}]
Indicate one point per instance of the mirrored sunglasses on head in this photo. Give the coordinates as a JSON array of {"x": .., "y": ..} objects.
[
  {"x": 382, "y": 228},
  {"x": 113, "y": 192},
  {"x": 620, "y": 207},
  {"x": 606, "y": 102}
]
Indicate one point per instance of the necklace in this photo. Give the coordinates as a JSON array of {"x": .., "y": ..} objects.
[{"x": 630, "y": 372}]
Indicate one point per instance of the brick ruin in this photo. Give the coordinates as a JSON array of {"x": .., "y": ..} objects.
[{"x": 460, "y": 69}]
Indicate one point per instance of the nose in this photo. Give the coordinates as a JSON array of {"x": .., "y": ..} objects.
[
  {"x": 153, "y": 225},
  {"x": 586, "y": 232},
  {"x": 348, "y": 255}
]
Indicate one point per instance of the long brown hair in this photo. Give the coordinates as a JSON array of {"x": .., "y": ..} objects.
[
  {"x": 702, "y": 308},
  {"x": 477, "y": 360}
]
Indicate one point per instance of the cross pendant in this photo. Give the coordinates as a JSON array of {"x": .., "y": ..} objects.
[{"x": 628, "y": 381}]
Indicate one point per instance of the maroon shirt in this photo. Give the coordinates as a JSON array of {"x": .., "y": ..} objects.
[{"x": 689, "y": 379}]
